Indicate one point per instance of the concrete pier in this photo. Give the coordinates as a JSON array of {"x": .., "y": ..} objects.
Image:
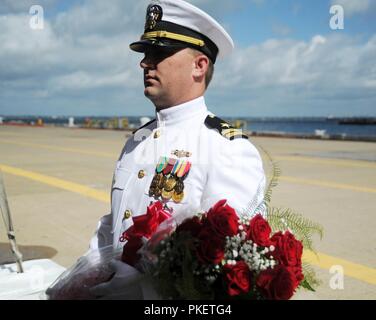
[{"x": 58, "y": 183}]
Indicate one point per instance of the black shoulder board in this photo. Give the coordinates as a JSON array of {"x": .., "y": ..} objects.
[
  {"x": 145, "y": 125},
  {"x": 224, "y": 128}
]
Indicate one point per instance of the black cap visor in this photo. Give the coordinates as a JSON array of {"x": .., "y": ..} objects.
[{"x": 162, "y": 44}]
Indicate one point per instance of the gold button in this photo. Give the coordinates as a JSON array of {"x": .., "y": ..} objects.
[
  {"x": 157, "y": 134},
  {"x": 141, "y": 174},
  {"x": 127, "y": 214}
]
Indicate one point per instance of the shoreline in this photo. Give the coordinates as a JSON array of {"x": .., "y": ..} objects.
[
  {"x": 266, "y": 134},
  {"x": 331, "y": 137}
]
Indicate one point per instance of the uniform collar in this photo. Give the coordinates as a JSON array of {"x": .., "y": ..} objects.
[{"x": 182, "y": 112}]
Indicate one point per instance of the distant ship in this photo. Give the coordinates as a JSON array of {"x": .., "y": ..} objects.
[{"x": 358, "y": 121}]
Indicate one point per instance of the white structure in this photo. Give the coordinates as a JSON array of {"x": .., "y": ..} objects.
[
  {"x": 320, "y": 133},
  {"x": 71, "y": 122},
  {"x": 144, "y": 120},
  {"x": 1, "y": 120}
]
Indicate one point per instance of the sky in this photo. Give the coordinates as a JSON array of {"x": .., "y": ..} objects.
[{"x": 288, "y": 60}]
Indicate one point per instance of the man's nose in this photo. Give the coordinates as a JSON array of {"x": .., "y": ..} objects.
[{"x": 146, "y": 63}]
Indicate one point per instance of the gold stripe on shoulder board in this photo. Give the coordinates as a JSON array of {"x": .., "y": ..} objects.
[{"x": 228, "y": 133}]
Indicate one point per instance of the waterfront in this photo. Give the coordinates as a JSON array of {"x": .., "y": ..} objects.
[{"x": 281, "y": 126}]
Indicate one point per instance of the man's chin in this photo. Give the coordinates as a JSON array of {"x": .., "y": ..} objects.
[
  {"x": 150, "y": 94},
  {"x": 155, "y": 98}
]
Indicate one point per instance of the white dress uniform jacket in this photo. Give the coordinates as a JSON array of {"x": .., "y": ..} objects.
[{"x": 221, "y": 168}]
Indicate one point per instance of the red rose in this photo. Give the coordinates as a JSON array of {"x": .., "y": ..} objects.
[
  {"x": 191, "y": 225},
  {"x": 145, "y": 225},
  {"x": 210, "y": 249},
  {"x": 158, "y": 236},
  {"x": 237, "y": 278},
  {"x": 277, "y": 284},
  {"x": 259, "y": 231},
  {"x": 130, "y": 255},
  {"x": 223, "y": 219},
  {"x": 298, "y": 271},
  {"x": 288, "y": 250}
]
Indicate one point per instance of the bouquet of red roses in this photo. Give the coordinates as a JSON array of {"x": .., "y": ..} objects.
[
  {"x": 217, "y": 255},
  {"x": 213, "y": 255}
]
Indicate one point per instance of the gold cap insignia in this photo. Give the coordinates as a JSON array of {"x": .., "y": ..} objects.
[{"x": 154, "y": 14}]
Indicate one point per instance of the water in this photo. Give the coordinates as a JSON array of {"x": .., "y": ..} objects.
[
  {"x": 309, "y": 126},
  {"x": 259, "y": 125}
]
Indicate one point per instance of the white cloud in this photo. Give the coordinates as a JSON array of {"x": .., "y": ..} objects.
[
  {"x": 323, "y": 62},
  {"x": 352, "y": 7},
  {"x": 81, "y": 80},
  {"x": 81, "y": 63},
  {"x": 22, "y": 6},
  {"x": 281, "y": 29},
  {"x": 291, "y": 72},
  {"x": 103, "y": 18},
  {"x": 80, "y": 42}
]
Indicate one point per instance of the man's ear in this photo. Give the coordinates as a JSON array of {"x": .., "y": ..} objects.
[{"x": 200, "y": 66}]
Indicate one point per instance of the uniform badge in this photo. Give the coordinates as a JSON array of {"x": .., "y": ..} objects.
[
  {"x": 168, "y": 181},
  {"x": 154, "y": 14},
  {"x": 181, "y": 153},
  {"x": 225, "y": 129}
]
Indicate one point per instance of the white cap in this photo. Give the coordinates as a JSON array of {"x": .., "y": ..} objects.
[{"x": 176, "y": 23}]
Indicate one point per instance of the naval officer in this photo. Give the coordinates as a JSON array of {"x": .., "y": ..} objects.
[{"x": 186, "y": 157}]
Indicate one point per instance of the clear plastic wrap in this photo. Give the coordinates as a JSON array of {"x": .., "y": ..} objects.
[{"x": 90, "y": 270}]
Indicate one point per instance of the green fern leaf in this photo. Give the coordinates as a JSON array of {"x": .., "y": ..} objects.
[
  {"x": 302, "y": 228},
  {"x": 310, "y": 281},
  {"x": 276, "y": 173}
]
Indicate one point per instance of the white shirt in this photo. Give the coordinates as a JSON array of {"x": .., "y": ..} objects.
[{"x": 220, "y": 169}]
